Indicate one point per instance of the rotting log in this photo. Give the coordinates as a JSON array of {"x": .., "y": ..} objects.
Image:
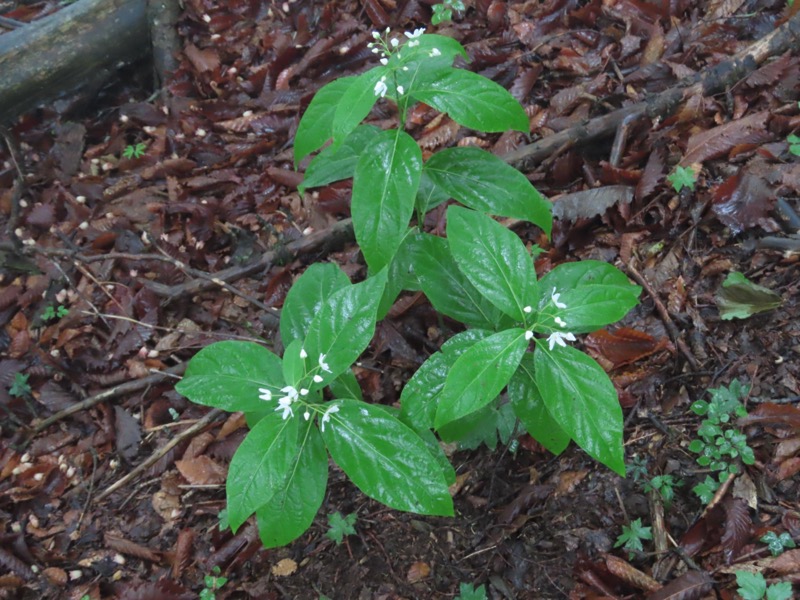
[{"x": 78, "y": 47}]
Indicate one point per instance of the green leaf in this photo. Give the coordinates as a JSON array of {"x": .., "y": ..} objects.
[
  {"x": 484, "y": 426},
  {"x": 306, "y": 296},
  {"x": 467, "y": 592},
  {"x": 447, "y": 288},
  {"x": 480, "y": 374},
  {"x": 632, "y": 536},
  {"x": 335, "y": 164},
  {"x": 740, "y": 298},
  {"x": 780, "y": 591},
  {"x": 595, "y": 293},
  {"x": 290, "y": 512},
  {"x": 260, "y": 466},
  {"x": 530, "y": 408},
  {"x": 385, "y": 459},
  {"x": 432, "y": 443},
  {"x": 339, "y": 526},
  {"x": 486, "y": 183},
  {"x": 355, "y": 103},
  {"x": 401, "y": 274},
  {"x": 316, "y": 126},
  {"x": 752, "y": 586},
  {"x": 471, "y": 100},
  {"x": 229, "y": 375},
  {"x": 582, "y": 400},
  {"x": 346, "y": 386},
  {"x": 494, "y": 259},
  {"x": 384, "y": 189},
  {"x": 429, "y": 195},
  {"x": 344, "y": 326},
  {"x": 682, "y": 177}
]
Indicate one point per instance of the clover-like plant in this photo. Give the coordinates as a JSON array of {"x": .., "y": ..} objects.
[{"x": 481, "y": 275}]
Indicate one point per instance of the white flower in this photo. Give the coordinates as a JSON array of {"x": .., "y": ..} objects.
[
  {"x": 380, "y": 87},
  {"x": 317, "y": 378},
  {"x": 413, "y": 43},
  {"x": 376, "y": 50},
  {"x": 395, "y": 42},
  {"x": 384, "y": 61},
  {"x": 401, "y": 90},
  {"x": 387, "y": 30},
  {"x": 415, "y": 34},
  {"x": 306, "y": 415},
  {"x": 527, "y": 310},
  {"x": 558, "y": 337},
  {"x": 405, "y": 68},
  {"x": 327, "y": 416},
  {"x": 376, "y": 35},
  {"x": 285, "y": 404},
  {"x": 303, "y": 392},
  {"x": 528, "y": 335},
  {"x": 554, "y": 297},
  {"x": 323, "y": 365},
  {"x": 291, "y": 393},
  {"x": 303, "y": 353},
  {"x": 434, "y": 52},
  {"x": 560, "y": 322},
  {"x": 266, "y": 395}
]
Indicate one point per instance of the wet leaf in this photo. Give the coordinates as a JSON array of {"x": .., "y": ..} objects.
[
  {"x": 624, "y": 345},
  {"x": 590, "y": 203},
  {"x": 740, "y": 298},
  {"x": 689, "y": 586}
]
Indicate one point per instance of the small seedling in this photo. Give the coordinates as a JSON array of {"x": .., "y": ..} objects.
[
  {"x": 665, "y": 486},
  {"x": 637, "y": 469},
  {"x": 444, "y": 12},
  {"x": 682, "y": 177},
  {"x": 794, "y": 144},
  {"x": 340, "y": 526},
  {"x": 632, "y": 536},
  {"x": 466, "y": 591},
  {"x": 50, "y": 313},
  {"x": 134, "y": 150},
  {"x": 778, "y": 543},
  {"x": 19, "y": 387},
  {"x": 718, "y": 443},
  {"x": 223, "y": 519},
  {"x": 213, "y": 583},
  {"x": 753, "y": 586}
]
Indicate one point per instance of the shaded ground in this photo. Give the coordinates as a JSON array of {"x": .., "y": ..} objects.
[{"x": 125, "y": 246}]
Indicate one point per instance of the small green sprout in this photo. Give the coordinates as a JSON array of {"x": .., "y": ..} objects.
[
  {"x": 468, "y": 592},
  {"x": 753, "y": 586},
  {"x": 682, "y": 177},
  {"x": 632, "y": 536},
  {"x": 19, "y": 387},
  {"x": 444, "y": 11},
  {"x": 340, "y": 526},
  {"x": 778, "y": 543},
  {"x": 50, "y": 313},
  {"x": 794, "y": 144},
  {"x": 665, "y": 486},
  {"x": 134, "y": 150},
  {"x": 222, "y": 515},
  {"x": 213, "y": 583}
]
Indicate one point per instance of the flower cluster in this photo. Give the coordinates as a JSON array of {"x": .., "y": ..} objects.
[
  {"x": 387, "y": 48},
  {"x": 557, "y": 337},
  {"x": 293, "y": 394}
]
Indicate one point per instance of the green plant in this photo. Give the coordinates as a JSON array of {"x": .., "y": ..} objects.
[
  {"x": 50, "y": 313},
  {"x": 444, "y": 11},
  {"x": 481, "y": 275},
  {"x": 20, "y": 387},
  {"x": 134, "y": 150},
  {"x": 753, "y": 586},
  {"x": 213, "y": 583},
  {"x": 682, "y": 177},
  {"x": 466, "y": 591},
  {"x": 778, "y": 543},
  {"x": 665, "y": 486},
  {"x": 719, "y": 443},
  {"x": 794, "y": 144},
  {"x": 339, "y": 526},
  {"x": 632, "y": 536}
]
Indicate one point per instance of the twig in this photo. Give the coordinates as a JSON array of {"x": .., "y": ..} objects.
[
  {"x": 156, "y": 456},
  {"x": 18, "y": 188}
]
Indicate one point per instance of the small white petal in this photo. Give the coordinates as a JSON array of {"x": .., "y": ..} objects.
[
  {"x": 376, "y": 35},
  {"x": 528, "y": 335},
  {"x": 317, "y": 379},
  {"x": 554, "y": 297},
  {"x": 560, "y": 322},
  {"x": 558, "y": 337},
  {"x": 401, "y": 90},
  {"x": 322, "y": 364},
  {"x": 413, "y": 43},
  {"x": 375, "y": 50},
  {"x": 306, "y": 415},
  {"x": 434, "y": 52},
  {"x": 527, "y": 310},
  {"x": 384, "y": 61},
  {"x": 303, "y": 353},
  {"x": 416, "y": 33},
  {"x": 395, "y": 42},
  {"x": 265, "y": 394},
  {"x": 405, "y": 68},
  {"x": 303, "y": 392}
]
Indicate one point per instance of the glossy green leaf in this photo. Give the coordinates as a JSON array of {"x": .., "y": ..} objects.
[
  {"x": 581, "y": 398},
  {"x": 531, "y": 410},
  {"x": 482, "y": 181},
  {"x": 228, "y": 375},
  {"x": 494, "y": 259},
  {"x": 306, "y": 297},
  {"x": 294, "y": 365},
  {"x": 484, "y": 426},
  {"x": 316, "y": 126},
  {"x": 335, "y": 164},
  {"x": 429, "y": 195},
  {"x": 346, "y": 386},
  {"x": 595, "y": 294},
  {"x": 471, "y": 100},
  {"x": 480, "y": 374},
  {"x": 343, "y": 327},
  {"x": 290, "y": 512},
  {"x": 447, "y": 288},
  {"x": 385, "y": 458},
  {"x": 740, "y": 298},
  {"x": 260, "y": 466},
  {"x": 420, "y": 396},
  {"x": 355, "y": 103},
  {"x": 435, "y": 448},
  {"x": 384, "y": 189},
  {"x": 402, "y": 275}
]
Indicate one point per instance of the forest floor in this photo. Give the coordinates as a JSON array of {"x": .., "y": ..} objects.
[{"x": 113, "y": 285}]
